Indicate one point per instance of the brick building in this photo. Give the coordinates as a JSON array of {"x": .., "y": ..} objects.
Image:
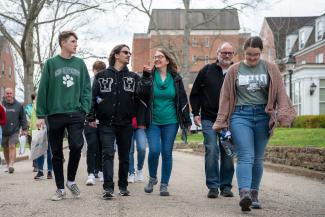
[
  {"x": 210, "y": 27},
  {"x": 303, "y": 38},
  {"x": 7, "y": 69}
]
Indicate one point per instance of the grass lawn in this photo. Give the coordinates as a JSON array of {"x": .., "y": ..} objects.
[{"x": 295, "y": 137}]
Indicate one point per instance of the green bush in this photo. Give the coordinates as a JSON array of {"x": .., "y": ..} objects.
[{"x": 309, "y": 121}]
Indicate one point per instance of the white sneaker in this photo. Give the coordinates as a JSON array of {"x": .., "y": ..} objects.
[
  {"x": 90, "y": 180},
  {"x": 139, "y": 176},
  {"x": 131, "y": 178},
  {"x": 101, "y": 176}
]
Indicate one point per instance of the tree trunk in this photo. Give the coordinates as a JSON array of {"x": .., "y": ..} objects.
[
  {"x": 28, "y": 62},
  {"x": 185, "y": 70}
]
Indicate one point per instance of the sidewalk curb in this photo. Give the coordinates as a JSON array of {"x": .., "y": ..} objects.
[
  {"x": 26, "y": 156},
  {"x": 276, "y": 167}
]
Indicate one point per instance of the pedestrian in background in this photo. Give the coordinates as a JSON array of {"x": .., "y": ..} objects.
[
  {"x": 28, "y": 111},
  {"x": 204, "y": 100},
  {"x": 64, "y": 97},
  {"x": 15, "y": 120},
  {"x": 2, "y": 121},
  {"x": 167, "y": 110},
  {"x": 139, "y": 140},
  {"x": 40, "y": 160},
  {"x": 253, "y": 100},
  {"x": 94, "y": 149}
]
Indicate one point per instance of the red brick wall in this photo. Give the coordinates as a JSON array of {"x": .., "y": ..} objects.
[
  {"x": 269, "y": 52},
  {"x": 140, "y": 53},
  {"x": 6, "y": 60},
  {"x": 310, "y": 57},
  {"x": 143, "y": 49}
]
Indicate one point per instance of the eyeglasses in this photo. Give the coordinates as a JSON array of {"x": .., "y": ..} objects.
[
  {"x": 227, "y": 53},
  {"x": 126, "y": 52},
  {"x": 159, "y": 57},
  {"x": 253, "y": 54}
]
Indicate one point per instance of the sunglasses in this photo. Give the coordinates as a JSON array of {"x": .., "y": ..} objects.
[{"x": 126, "y": 52}]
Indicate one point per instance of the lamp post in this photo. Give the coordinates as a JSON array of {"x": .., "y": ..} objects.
[
  {"x": 290, "y": 64},
  {"x": 312, "y": 89}
]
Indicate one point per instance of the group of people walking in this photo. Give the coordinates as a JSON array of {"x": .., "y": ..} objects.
[{"x": 122, "y": 111}]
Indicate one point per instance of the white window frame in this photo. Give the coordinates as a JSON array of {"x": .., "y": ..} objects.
[
  {"x": 194, "y": 59},
  {"x": 302, "y": 39},
  {"x": 321, "y": 93},
  {"x": 319, "y": 30},
  {"x": 206, "y": 59},
  {"x": 296, "y": 97},
  {"x": 206, "y": 42},
  {"x": 319, "y": 58},
  {"x": 194, "y": 42},
  {"x": 287, "y": 47}
]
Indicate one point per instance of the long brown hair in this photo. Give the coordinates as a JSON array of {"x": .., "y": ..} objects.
[{"x": 171, "y": 66}]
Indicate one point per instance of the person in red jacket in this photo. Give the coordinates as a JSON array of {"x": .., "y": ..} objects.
[{"x": 2, "y": 120}]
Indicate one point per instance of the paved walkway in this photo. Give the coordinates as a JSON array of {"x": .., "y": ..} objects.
[{"x": 282, "y": 195}]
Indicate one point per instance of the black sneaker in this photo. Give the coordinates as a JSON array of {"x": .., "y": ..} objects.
[
  {"x": 226, "y": 193},
  {"x": 39, "y": 175},
  {"x": 108, "y": 194},
  {"x": 124, "y": 192},
  {"x": 213, "y": 193},
  {"x": 74, "y": 190}
]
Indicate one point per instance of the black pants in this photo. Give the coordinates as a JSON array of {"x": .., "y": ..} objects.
[
  {"x": 123, "y": 136},
  {"x": 94, "y": 151},
  {"x": 74, "y": 123}
]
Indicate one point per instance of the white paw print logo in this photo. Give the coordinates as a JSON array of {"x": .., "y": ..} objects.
[{"x": 68, "y": 80}]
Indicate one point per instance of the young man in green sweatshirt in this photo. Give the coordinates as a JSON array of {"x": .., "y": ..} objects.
[{"x": 64, "y": 97}]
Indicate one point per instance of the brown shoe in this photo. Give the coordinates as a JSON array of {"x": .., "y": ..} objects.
[{"x": 49, "y": 175}]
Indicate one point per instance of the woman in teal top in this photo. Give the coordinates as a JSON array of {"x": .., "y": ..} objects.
[{"x": 168, "y": 108}]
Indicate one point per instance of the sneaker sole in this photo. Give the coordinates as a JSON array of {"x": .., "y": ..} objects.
[
  {"x": 124, "y": 195},
  {"x": 256, "y": 206},
  {"x": 90, "y": 184},
  {"x": 39, "y": 178},
  {"x": 164, "y": 194},
  {"x": 245, "y": 204},
  {"x": 148, "y": 191},
  {"x": 108, "y": 197}
]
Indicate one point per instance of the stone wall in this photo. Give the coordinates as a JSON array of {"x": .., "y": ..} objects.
[{"x": 310, "y": 158}]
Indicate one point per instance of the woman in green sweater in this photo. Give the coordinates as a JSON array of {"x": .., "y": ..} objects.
[{"x": 168, "y": 108}]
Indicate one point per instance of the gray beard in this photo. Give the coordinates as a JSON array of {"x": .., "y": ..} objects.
[{"x": 224, "y": 62}]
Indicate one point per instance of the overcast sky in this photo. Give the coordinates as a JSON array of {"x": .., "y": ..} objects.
[{"x": 114, "y": 27}]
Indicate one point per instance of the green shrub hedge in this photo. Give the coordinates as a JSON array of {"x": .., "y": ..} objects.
[{"x": 309, "y": 121}]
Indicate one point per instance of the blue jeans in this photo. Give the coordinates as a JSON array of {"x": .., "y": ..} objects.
[
  {"x": 139, "y": 137},
  {"x": 250, "y": 133},
  {"x": 216, "y": 178},
  {"x": 161, "y": 140},
  {"x": 40, "y": 160}
]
